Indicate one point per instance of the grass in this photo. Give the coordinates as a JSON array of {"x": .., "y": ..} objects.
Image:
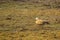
[{"x": 17, "y": 22}]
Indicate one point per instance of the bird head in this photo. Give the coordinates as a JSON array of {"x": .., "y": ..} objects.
[{"x": 36, "y": 18}]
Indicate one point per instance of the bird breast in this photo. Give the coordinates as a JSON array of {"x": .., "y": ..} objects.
[{"x": 39, "y": 21}]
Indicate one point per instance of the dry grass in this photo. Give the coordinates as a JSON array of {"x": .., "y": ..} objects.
[{"x": 18, "y": 23}]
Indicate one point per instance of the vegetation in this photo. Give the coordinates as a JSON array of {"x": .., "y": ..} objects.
[{"x": 17, "y": 21}]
